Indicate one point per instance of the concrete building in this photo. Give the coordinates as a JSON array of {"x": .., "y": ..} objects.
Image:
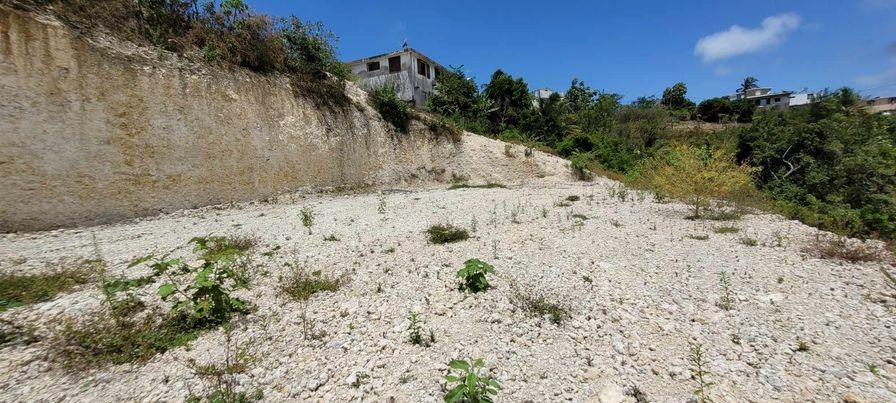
[
  {"x": 541, "y": 93},
  {"x": 411, "y": 72},
  {"x": 802, "y": 98},
  {"x": 883, "y": 105},
  {"x": 764, "y": 97}
]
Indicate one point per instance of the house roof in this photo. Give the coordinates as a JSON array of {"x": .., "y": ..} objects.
[{"x": 398, "y": 52}]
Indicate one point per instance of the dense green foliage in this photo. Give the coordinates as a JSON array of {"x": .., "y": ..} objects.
[
  {"x": 832, "y": 164},
  {"x": 468, "y": 384},
  {"x": 473, "y": 275},
  {"x": 393, "y": 110},
  {"x": 220, "y": 31}
]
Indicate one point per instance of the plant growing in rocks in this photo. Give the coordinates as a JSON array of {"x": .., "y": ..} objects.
[
  {"x": 699, "y": 372},
  {"x": 446, "y": 233},
  {"x": 206, "y": 298},
  {"x": 470, "y": 385},
  {"x": 473, "y": 275},
  {"x": 300, "y": 285},
  {"x": 307, "y": 218},
  {"x": 726, "y": 302},
  {"x": 415, "y": 335},
  {"x": 222, "y": 378},
  {"x": 17, "y": 289}
]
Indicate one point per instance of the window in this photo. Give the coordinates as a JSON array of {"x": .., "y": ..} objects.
[
  {"x": 373, "y": 66},
  {"x": 422, "y": 68},
  {"x": 395, "y": 64},
  {"x": 758, "y": 102},
  {"x": 777, "y": 100}
]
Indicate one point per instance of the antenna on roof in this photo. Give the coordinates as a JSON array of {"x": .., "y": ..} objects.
[{"x": 404, "y": 45}]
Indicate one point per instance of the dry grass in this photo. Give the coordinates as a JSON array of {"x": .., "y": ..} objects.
[{"x": 841, "y": 248}]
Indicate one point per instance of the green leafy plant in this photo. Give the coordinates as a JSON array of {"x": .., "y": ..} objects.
[
  {"x": 414, "y": 330},
  {"x": 699, "y": 372},
  {"x": 726, "y": 302},
  {"x": 446, "y": 233},
  {"x": 393, "y": 110},
  {"x": 206, "y": 299},
  {"x": 470, "y": 385},
  {"x": 307, "y": 218},
  {"x": 473, "y": 275}
]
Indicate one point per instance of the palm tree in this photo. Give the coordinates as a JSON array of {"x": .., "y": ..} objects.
[{"x": 748, "y": 84}]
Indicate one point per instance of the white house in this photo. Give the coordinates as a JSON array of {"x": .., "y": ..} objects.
[{"x": 411, "y": 72}]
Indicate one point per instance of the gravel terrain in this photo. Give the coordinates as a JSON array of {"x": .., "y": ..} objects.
[{"x": 638, "y": 283}]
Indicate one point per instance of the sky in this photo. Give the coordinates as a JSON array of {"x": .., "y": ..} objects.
[{"x": 629, "y": 47}]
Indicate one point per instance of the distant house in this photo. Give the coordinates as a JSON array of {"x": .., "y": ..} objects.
[
  {"x": 882, "y": 105},
  {"x": 765, "y": 98},
  {"x": 411, "y": 72},
  {"x": 541, "y": 93},
  {"x": 802, "y": 98}
]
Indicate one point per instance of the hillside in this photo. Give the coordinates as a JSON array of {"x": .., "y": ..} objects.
[{"x": 172, "y": 230}]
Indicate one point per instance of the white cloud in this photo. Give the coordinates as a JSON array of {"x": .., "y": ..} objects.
[{"x": 738, "y": 40}]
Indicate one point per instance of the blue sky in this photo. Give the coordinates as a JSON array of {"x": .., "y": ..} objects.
[{"x": 630, "y": 47}]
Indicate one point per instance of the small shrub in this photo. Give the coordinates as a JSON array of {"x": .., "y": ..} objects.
[
  {"x": 697, "y": 176},
  {"x": 835, "y": 247},
  {"x": 726, "y": 230},
  {"x": 221, "y": 246},
  {"x": 222, "y": 378},
  {"x": 18, "y": 290},
  {"x": 726, "y": 302},
  {"x": 206, "y": 298},
  {"x": 749, "y": 241},
  {"x": 473, "y": 275},
  {"x": 307, "y": 218},
  {"x": 469, "y": 384},
  {"x": 699, "y": 237},
  {"x": 573, "y": 198},
  {"x": 415, "y": 335},
  {"x": 331, "y": 238},
  {"x": 578, "y": 164},
  {"x": 802, "y": 346},
  {"x": 393, "y": 110},
  {"x": 301, "y": 285},
  {"x": 700, "y": 373},
  {"x": 446, "y": 233}
]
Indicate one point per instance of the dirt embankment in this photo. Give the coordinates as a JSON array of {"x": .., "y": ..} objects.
[{"x": 94, "y": 130}]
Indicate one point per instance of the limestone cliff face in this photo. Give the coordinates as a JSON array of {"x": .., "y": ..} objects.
[{"x": 94, "y": 130}]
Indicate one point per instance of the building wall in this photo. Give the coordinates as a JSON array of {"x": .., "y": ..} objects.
[{"x": 410, "y": 84}]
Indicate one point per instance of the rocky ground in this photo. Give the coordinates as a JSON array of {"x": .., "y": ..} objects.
[{"x": 640, "y": 283}]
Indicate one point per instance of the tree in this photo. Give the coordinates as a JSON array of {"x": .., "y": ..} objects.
[
  {"x": 714, "y": 109},
  {"x": 456, "y": 96},
  {"x": 675, "y": 98},
  {"x": 698, "y": 175},
  {"x": 645, "y": 102},
  {"x": 579, "y": 96},
  {"x": 510, "y": 100},
  {"x": 748, "y": 84}
]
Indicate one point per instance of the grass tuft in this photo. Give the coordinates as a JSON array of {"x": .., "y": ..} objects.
[
  {"x": 300, "y": 285},
  {"x": 18, "y": 290},
  {"x": 490, "y": 185},
  {"x": 446, "y": 233}
]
